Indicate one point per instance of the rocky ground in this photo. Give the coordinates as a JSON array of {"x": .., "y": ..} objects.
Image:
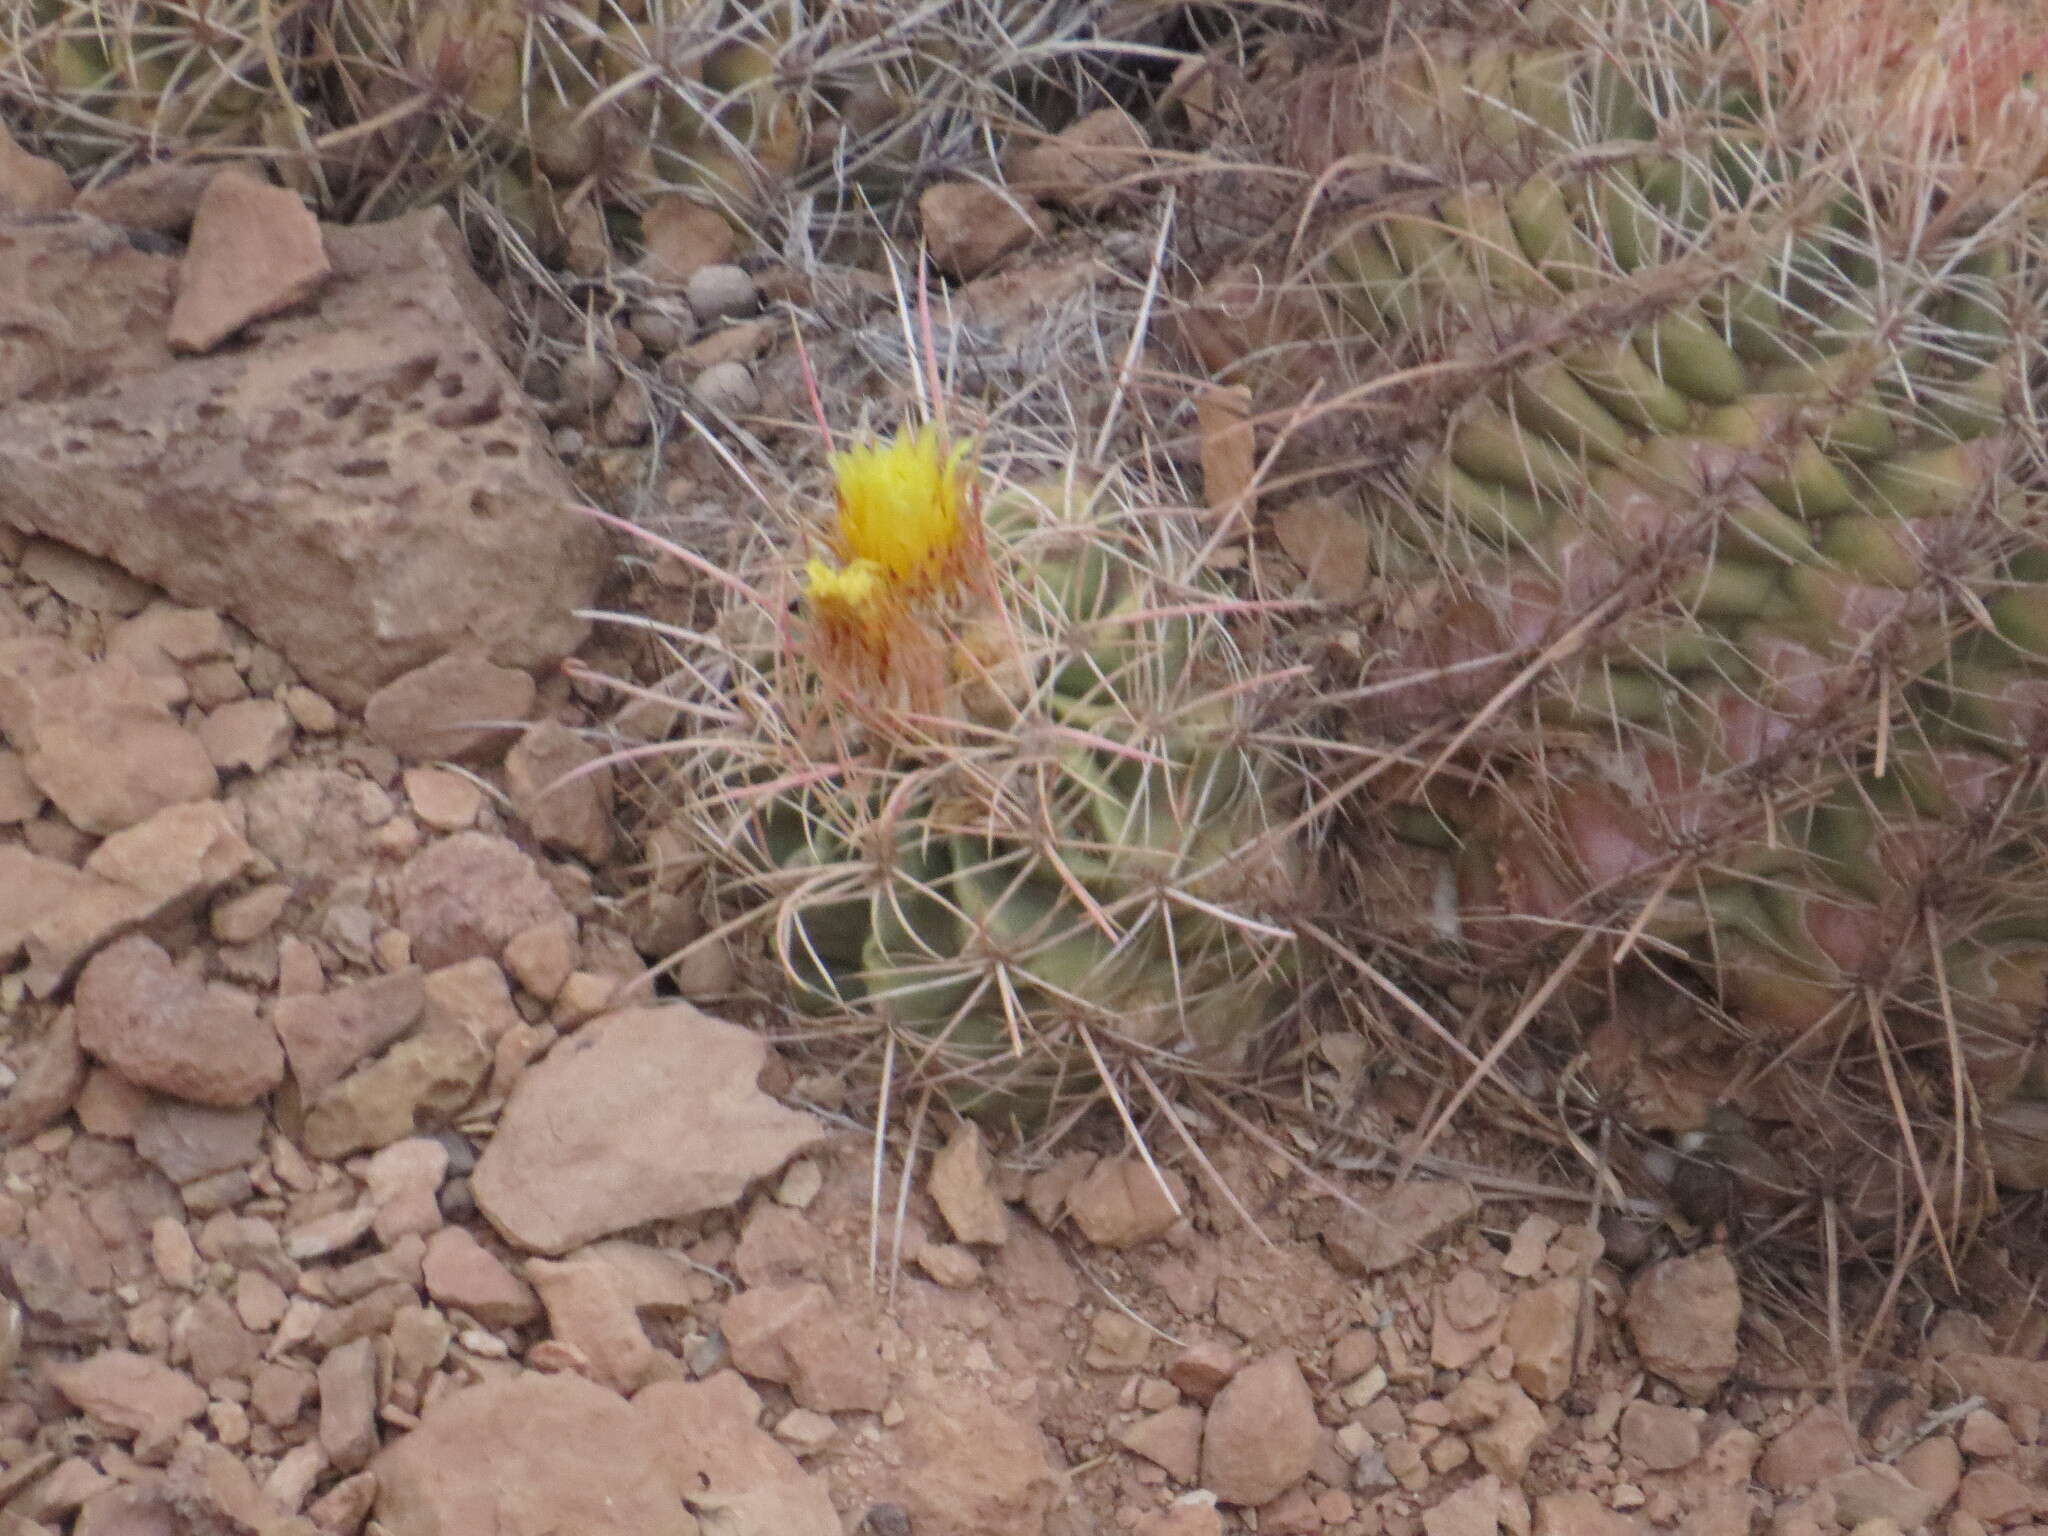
[{"x": 354, "y": 1181}]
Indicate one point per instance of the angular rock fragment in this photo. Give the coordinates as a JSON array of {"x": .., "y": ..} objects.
[
  {"x": 255, "y": 250},
  {"x": 531, "y": 1453},
  {"x": 165, "y": 1029},
  {"x": 644, "y": 1115},
  {"x": 364, "y": 489}
]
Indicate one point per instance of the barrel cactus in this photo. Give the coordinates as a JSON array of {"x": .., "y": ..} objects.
[
  {"x": 565, "y": 119},
  {"x": 101, "y": 78},
  {"x": 985, "y": 776},
  {"x": 1713, "y": 631}
]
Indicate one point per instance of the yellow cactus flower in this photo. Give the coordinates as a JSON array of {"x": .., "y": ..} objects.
[
  {"x": 906, "y": 508},
  {"x": 858, "y": 585},
  {"x": 851, "y": 600},
  {"x": 858, "y": 618}
]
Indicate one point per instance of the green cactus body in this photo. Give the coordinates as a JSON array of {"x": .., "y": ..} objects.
[
  {"x": 1747, "y": 527},
  {"x": 1094, "y": 863},
  {"x": 102, "y": 75}
]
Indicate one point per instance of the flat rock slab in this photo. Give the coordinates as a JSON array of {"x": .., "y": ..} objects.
[
  {"x": 360, "y": 482},
  {"x": 532, "y": 1453},
  {"x": 644, "y": 1115}
]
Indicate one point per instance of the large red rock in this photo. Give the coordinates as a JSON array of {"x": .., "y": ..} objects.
[
  {"x": 531, "y": 1453},
  {"x": 360, "y": 482},
  {"x": 163, "y": 1028},
  {"x": 648, "y": 1114}
]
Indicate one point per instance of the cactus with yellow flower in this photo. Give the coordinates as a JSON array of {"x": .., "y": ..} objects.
[{"x": 991, "y": 784}]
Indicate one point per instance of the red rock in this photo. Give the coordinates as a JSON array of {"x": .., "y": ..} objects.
[
  {"x": 152, "y": 873},
  {"x": 255, "y": 250},
  {"x": 20, "y": 800},
  {"x": 682, "y": 236},
  {"x": 1171, "y": 1439},
  {"x": 403, "y": 1182},
  {"x": 1876, "y": 1493},
  {"x": 1814, "y": 1446},
  {"x": 259, "y": 1301},
  {"x": 1468, "y": 1300},
  {"x": 1194, "y": 1518},
  {"x": 247, "y": 736},
  {"x": 969, "y": 1466},
  {"x": 1260, "y": 1436},
  {"x": 778, "y": 1244},
  {"x": 798, "y": 1336},
  {"x": 1121, "y": 1202},
  {"x": 365, "y": 488},
  {"x": 1934, "y": 1466},
  {"x": 1993, "y": 1495},
  {"x": 590, "y": 1313},
  {"x": 559, "y": 790},
  {"x": 30, "y": 887},
  {"x": 1087, "y": 167},
  {"x": 2009, "y": 1381},
  {"x": 648, "y": 1114},
  {"x": 128, "y": 1510},
  {"x": 83, "y": 580},
  {"x": 29, "y": 184},
  {"x": 1661, "y": 1438},
  {"x": 109, "y": 1104},
  {"x": 59, "y": 1492},
  {"x": 278, "y": 1393},
  {"x": 471, "y": 996},
  {"x": 420, "y": 1084},
  {"x": 970, "y": 227},
  {"x": 959, "y": 1186},
  {"x": 190, "y": 1141},
  {"x": 163, "y": 1028},
  {"x": 103, "y": 747},
  {"x": 1505, "y": 1445},
  {"x": 177, "y": 858},
  {"x": 1542, "y": 1333},
  {"x": 214, "y": 1342},
  {"x": 324, "y": 1236},
  {"x": 348, "y": 1405},
  {"x": 1683, "y": 1315},
  {"x": 342, "y": 1509},
  {"x": 460, "y": 706},
  {"x": 443, "y": 799},
  {"x": 248, "y": 916},
  {"x": 951, "y": 1265},
  {"x": 531, "y": 1453},
  {"x": 130, "y": 1392},
  {"x": 1581, "y": 1514},
  {"x": 327, "y": 1034},
  {"x": 167, "y": 638},
  {"x": 1473, "y": 1510},
  {"x": 1390, "y": 1228},
  {"x": 51, "y": 1071},
  {"x": 467, "y": 896},
  {"x": 649, "y": 1278},
  {"x": 1986, "y": 1436},
  {"x": 29, "y": 664},
  {"x": 541, "y": 958},
  {"x": 711, "y": 1430},
  {"x": 1203, "y": 1370}
]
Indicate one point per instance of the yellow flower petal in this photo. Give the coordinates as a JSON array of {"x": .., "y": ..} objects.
[
  {"x": 848, "y": 590},
  {"x": 901, "y": 507}
]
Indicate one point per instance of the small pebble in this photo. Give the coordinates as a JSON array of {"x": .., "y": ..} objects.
[
  {"x": 661, "y": 331},
  {"x": 585, "y": 384},
  {"x": 719, "y": 292},
  {"x": 727, "y": 388}
]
